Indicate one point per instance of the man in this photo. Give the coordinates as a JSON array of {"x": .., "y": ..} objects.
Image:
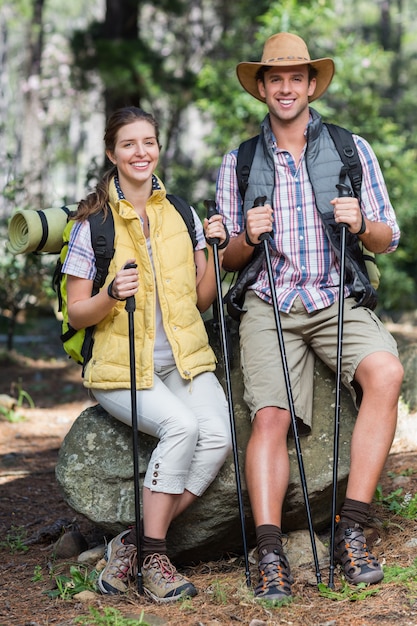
[{"x": 295, "y": 164}]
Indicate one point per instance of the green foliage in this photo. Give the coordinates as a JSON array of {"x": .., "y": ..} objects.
[
  {"x": 25, "y": 280},
  {"x": 23, "y": 395},
  {"x": 353, "y": 594},
  {"x": 37, "y": 574},
  {"x": 14, "y": 540},
  {"x": 79, "y": 579},
  {"x": 109, "y": 617},
  {"x": 406, "y": 575},
  {"x": 10, "y": 414},
  {"x": 218, "y": 592},
  {"x": 369, "y": 94},
  {"x": 398, "y": 502},
  {"x": 172, "y": 58}
]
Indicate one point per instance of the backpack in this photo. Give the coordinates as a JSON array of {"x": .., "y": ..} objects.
[
  {"x": 348, "y": 153},
  {"x": 78, "y": 344}
]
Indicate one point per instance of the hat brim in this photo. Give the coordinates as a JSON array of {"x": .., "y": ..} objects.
[{"x": 246, "y": 73}]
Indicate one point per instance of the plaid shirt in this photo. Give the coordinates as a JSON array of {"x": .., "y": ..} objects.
[{"x": 302, "y": 260}]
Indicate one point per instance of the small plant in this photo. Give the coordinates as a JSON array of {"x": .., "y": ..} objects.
[
  {"x": 360, "y": 592},
  {"x": 406, "y": 575},
  {"x": 218, "y": 592},
  {"x": 37, "y": 574},
  {"x": 10, "y": 414},
  {"x": 23, "y": 395},
  {"x": 109, "y": 617},
  {"x": 79, "y": 579},
  {"x": 403, "y": 504},
  {"x": 186, "y": 604},
  {"x": 409, "y": 471},
  {"x": 14, "y": 540}
]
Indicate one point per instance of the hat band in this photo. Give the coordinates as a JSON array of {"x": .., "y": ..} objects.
[{"x": 289, "y": 58}]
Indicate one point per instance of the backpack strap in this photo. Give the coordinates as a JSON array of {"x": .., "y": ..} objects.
[
  {"x": 348, "y": 152},
  {"x": 342, "y": 139},
  {"x": 186, "y": 213},
  {"x": 245, "y": 154},
  {"x": 102, "y": 240}
]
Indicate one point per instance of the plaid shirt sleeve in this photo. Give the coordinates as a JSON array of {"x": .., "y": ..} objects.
[
  {"x": 80, "y": 260},
  {"x": 227, "y": 195},
  {"x": 375, "y": 201},
  {"x": 199, "y": 231}
]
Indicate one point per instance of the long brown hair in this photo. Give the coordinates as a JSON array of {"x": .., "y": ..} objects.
[{"x": 98, "y": 198}]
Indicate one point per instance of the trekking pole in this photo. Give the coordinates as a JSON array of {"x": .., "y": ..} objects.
[
  {"x": 211, "y": 210},
  {"x": 130, "y": 308},
  {"x": 264, "y": 238},
  {"x": 344, "y": 191}
]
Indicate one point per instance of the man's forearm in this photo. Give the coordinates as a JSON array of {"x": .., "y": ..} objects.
[{"x": 237, "y": 254}]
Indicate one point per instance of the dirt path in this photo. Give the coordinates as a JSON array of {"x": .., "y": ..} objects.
[{"x": 30, "y": 500}]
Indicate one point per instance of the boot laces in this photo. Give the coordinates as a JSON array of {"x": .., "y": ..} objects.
[
  {"x": 167, "y": 570},
  {"x": 125, "y": 561},
  {"x": 356, "y": 547}
]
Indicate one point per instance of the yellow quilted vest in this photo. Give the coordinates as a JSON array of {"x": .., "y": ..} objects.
[{"x": 175, "y": 272}]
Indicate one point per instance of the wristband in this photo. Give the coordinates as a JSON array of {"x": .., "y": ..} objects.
[
  {"x": 362, "y": 228},
  {"x": 110, "y": 292},
  {"x": 248, "y": 241}
]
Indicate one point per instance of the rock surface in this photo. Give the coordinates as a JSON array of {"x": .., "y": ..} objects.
[{"x": 95, "y": 472}]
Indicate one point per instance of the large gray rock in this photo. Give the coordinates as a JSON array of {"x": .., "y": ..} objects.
[
  {"x": 95, "y": 472},
  {"x": 408, "y": 356}
]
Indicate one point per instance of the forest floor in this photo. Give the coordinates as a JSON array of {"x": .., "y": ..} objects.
[{"x": 30, "y": 502}]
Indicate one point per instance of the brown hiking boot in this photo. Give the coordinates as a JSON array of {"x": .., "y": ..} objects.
[
  {"x": 120, "y": 568},
  {"x": 351, "y": 551},
  {"x": 275, "y": 578},
  {"x": 162, "y": 582}
]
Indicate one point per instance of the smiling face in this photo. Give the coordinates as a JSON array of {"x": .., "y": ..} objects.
[
  {"x": 286, "y": 91},
  {"x": 135, "y": 154}
]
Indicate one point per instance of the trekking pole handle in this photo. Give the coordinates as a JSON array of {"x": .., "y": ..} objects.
[
  {"x": 260, "y": 201},
  {"x": 344, "y": 190},
  {"x": 212, "y": 210},
  {"x": 130, "y": 301}
]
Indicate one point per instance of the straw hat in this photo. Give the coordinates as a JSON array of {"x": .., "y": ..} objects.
[{"x": 286, "y": 50}]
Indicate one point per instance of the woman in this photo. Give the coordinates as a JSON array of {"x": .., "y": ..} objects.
[{"x": 181, "y": 401}]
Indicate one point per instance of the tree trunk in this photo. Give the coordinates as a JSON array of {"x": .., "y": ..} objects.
[
  {"x": 32, "y": 139},
  {"x": 121, "y": 23}
]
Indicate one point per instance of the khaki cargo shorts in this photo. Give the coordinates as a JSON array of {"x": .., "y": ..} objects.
[{"x": 305, "y": 335}]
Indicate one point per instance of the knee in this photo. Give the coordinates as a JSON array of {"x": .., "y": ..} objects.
[
  {"x": 384, "y": 374},
  {"x": 183, "y": 428},
  {"x": 222, "y": 442},
  {"x": 270, "y": 426}
]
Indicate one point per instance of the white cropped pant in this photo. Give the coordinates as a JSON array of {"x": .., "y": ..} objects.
[{"x": 191, "y": 421}]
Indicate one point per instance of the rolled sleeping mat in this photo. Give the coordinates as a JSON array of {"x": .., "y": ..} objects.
[{"x": 38, "y": 230}]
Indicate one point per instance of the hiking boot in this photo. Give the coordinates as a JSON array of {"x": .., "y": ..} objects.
[
  {"x": 351, "y": 551},
  {"x": 162, "y": 582},
  {"x": 121, "y": 563},
  {"x": 275, "y": 578}
]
